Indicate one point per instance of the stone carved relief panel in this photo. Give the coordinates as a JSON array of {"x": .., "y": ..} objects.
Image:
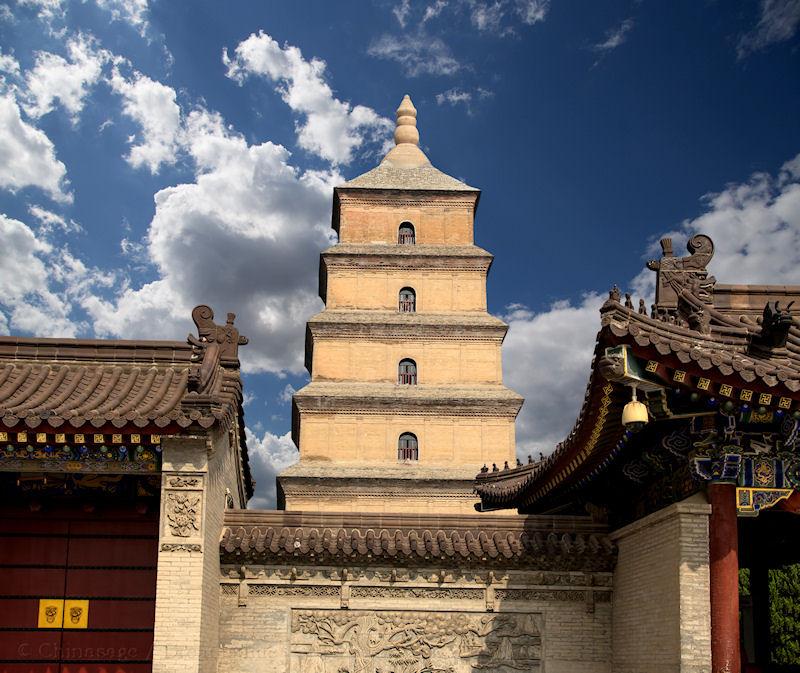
[
  {"x": 183, "y": 513},
  {"x": 386, "y": 641}
]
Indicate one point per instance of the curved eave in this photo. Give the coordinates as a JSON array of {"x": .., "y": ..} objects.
[{"x": 722, "y": 357}]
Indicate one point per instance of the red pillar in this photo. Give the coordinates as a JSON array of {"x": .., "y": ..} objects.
[{"x": 724, "y": 561}]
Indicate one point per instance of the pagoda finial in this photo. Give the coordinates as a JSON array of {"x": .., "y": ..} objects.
[{"x": 406, "y": 131}]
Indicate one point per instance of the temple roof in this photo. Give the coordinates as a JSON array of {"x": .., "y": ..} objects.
[
  {"x": 158, "y": 384},
  {"x": 564, "y": 543},
  {"x": 708, "y": 338},
  {"x": 405, "y": 166}
]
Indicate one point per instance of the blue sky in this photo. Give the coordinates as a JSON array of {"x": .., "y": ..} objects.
[{"x": 156, "y": 155}]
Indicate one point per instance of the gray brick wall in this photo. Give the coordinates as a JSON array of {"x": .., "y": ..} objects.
[{"x": 661, "y": 613}]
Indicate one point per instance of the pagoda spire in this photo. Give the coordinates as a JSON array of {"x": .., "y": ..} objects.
[
  {"x": 406, "y": 129},
  {"x": 406, "y": 152}
]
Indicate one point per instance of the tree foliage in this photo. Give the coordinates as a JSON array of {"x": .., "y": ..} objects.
[{"x": 784, "y": 606}]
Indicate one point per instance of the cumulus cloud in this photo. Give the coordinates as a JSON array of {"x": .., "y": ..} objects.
[
  {"x": 27, "y": 156},
  {"x": 153, "y": 106},
  {"x": 417, "y": 53},
  {"x": 66, "y": 80},
  {"x": 755, "y": 225},
  {"x": 332, "y": 129},
  {"x": 133, "y": 12},
  {"x": 244, "y": 236},
  {"x": 10, "y": 66},
  {"x": 546, "y": 358},
  {"x": 778, "y": 22},
  {"x": 269, "y": 456},
  {"x": 39, "y": 283}
]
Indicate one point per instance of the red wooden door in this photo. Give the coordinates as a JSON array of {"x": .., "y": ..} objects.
[{"x": 107, "y": 558}]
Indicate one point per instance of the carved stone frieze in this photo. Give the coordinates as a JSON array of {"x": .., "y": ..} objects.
[
  {"x": 183, "y": 514},
  {"x": 454, "y": 593},
  {"x": 570, "y": 595},
  {"x": 257, "y": 590},
  {"x": 402, "y": 575},
  {"x": 184, "y": 482},
  {"x": 364, "y": 641},
  {"x": 180, "y": 546}
]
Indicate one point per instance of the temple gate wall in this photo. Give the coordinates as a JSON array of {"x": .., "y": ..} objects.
[
  {"x": 661, "y": 613},
  {"x": 328, "y": 619}
]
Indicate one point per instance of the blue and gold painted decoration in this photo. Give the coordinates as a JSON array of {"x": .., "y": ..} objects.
[
  {"x": 80, "y": 452},
  {"x": 723, "y": 466},
  {"x": 750, "y": 501}
]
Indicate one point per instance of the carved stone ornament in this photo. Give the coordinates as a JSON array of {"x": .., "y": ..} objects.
[
  {"x": 364, "y": 641},
  {"x": 184, "y": 482},
  {"x": 180, "y": 546},
  {"x": 213, "y": 345},
  {"x": 183, "y": 514}
]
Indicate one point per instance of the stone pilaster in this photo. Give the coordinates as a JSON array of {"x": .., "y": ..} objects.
[{"x": 178, "y": 646}]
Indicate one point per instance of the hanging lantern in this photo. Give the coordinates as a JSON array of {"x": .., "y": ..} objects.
[{"x": 634, "y": 415}]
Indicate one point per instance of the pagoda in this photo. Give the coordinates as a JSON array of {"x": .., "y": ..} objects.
[{"x": 406, "y": 400}]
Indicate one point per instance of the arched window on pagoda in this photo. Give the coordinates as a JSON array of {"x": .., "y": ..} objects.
[
  {"x": 407, "y": 447},
  {"x": 407, "y": 372},
  {"x": 405, "y": 235},
  {"x": 408, "y": 300}
]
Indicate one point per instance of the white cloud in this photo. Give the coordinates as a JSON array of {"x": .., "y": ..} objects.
[
  {"x": 46, "y": 10},
  {"x": 332, "y": 129},
  {"x": 286, "y": 393},
  {"x": 401, "y": 12},
  {"x": 48, "y": 221},
  {"x": 546, "y": 358},
  {"x": 432, "y": 11},
  {"x": 756, "y": 229},
  {"x": 269, "y": 456},
  {"x": 614, "y": 37},
  {"x": 532, "y": 11},
  {"x": 244, "y": 237},
  {"x": 456, "y": 96},
  {"x": 28, "y": 266},
  {"x": 418, "y": 53},
  {"x": 498, "y": 16},
  {"x": 9, "y": 65},
  {"x": 133, "y": 12},
  {"x": 152, "y": 105},
  {"x": 778, "y": 22},
  {"x": 54, "y": 78},
  {"x": 27, "y": 156}
]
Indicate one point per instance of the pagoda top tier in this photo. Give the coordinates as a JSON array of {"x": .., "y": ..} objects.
[{"x": 405, "y": 166}]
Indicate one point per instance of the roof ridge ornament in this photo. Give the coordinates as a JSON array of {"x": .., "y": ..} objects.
[
  {"x": 683, "y": 285},
  {"x": 406, "y": 152},
  {"x": 214, "y": 346}
]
